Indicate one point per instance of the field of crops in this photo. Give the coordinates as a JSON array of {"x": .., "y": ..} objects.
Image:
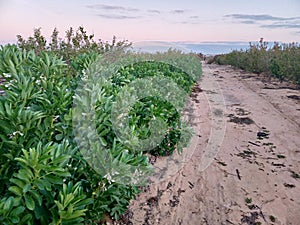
[
  {"x": 55, "y": 168},
  {"x": 280, "y": 60}
]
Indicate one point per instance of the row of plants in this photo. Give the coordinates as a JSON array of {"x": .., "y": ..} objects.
[
  {"x": 279, "y": 60},
  {"x": 44, "y": 177}
]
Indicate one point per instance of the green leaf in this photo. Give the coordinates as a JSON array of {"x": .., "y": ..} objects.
[
  {"x": 25, "y": 174},
  {"x": 21, "y": 160},
  {"x": 36, "y": 196},
  {"x": 76, "y": 214},
  {"x": 8, "y": 204},
  {"x": 61, "y": 160},
  {"x": 44, "y": 158},
  {"x": 68, "y": 199},
  {"x": 62, "y": 173},
  {"x": 54, "y": 179},
  {"x": 25, "y": 219},
  {"x": 47, "y": 185},
  {"x": 17, "y": 211},
  {"x": 59, "y": 137},
  {"x": 26, "y": 188},
  {"x": 104, "y": 132},
  {"x": 40, "y": 184},
  {"x": 84, "y": 202},
  {"x": 103, "y": 141},
  {"x": 17, "y": 182},
  {"x": 16, "y": 190},
  {"x": 78, "y": 220},
  {"x": 59, "y": 205},
  {"x": 15, "y": 219},
  {"x": 29, "y": 202}
]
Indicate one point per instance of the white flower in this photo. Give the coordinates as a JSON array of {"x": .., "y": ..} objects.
[
  {"x": 15, "y": 133},
  {"x": 18, "y": 132},
  {"x": 136, "y": 176},
  {"x": 114, "y": 173},
  {"x": 109, "y": 178}
]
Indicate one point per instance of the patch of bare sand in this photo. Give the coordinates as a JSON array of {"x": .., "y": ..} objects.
[{"x": 255, "y": 175}]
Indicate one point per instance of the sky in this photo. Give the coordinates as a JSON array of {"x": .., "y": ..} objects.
[{"x": 156, "y": 20}]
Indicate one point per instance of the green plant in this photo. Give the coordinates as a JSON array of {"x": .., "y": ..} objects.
[
  {"x": 149, "y": 107},
  {"x": 37, "y": 192},
  {"x": 74, "y": 43},
  {"x": 248, "y": 200},
  {"x": 280, "y": 60},
  {"x": 45, "y": 178},
  {"x": 272, "y": 218}
]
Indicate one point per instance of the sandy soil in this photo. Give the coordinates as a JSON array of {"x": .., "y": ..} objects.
[{"x": 253, "y": 172}]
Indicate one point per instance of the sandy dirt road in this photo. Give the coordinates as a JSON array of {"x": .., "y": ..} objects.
[{"x": 255, "y": 175}]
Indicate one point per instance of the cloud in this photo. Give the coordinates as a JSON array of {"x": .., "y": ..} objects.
[
  {"x": 267, "y": 21},
  {"x": 154, "y": 11},
  {"x": 288, "y": 26},
  {"x": 248, "y": 22},
  {"x": 120, "y": 11},
  {"x": 190, "y": 22},
  {"x": 260, "y": 17},
  {"x": 112, "y": 8},
  {"x": 118, "y": 17},
  {"x": 115, "y": 11},
  {"x": 178, "y": 11}
]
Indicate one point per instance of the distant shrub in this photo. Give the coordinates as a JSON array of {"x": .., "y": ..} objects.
[
  {"x": 281, "y": 60},
  {"x": 74, "y": 43}
]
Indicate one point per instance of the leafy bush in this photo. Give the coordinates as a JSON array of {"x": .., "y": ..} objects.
[
  {"x": 148, "y": 107},
  {"x": 73, "y": 44},
  {"x": 44, "y": 177},
  {"x": 280, "y": 60}
]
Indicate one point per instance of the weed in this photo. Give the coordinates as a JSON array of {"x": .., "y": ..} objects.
[
  {"x": 281, "y": 156},
  {"x": 248, "y": 200},
  {"x": 272, "y": 218},
  {"x": 294, "y": 174}
]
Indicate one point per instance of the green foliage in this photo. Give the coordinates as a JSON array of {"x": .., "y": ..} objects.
[
  {"x": 280, "y": 61},
  {"x": 38, "y": 190},
  {"x": 150, "y": 69},
  {"x": 75, "y": 42},
  {"x": 44, "y": 177},
  {"x": 149, "y": 107}
]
